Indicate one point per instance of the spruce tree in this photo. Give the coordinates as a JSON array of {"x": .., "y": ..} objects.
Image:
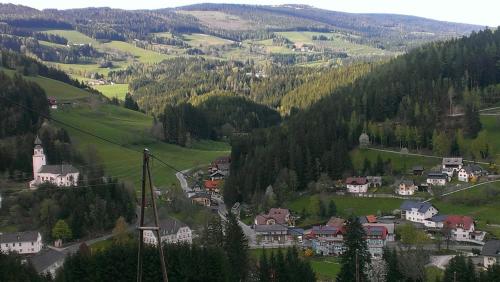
[
  {"x": 332, "y": 208},
  {"x": 356, "y": 255},
  {"x": 472, "y": 123},
  {"x": 236, "y": 247},
  {"x": 264, "y": 273}
]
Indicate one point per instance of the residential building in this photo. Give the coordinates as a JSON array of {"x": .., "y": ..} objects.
[
  {"x": 271, "y": 233},
  {"x": 201, "y": 198},
  {"x": 218, "y": 175},
  {"x": 453, "y": 163},
  {"x": 437, "y": 178},
  {"x": 418, "y": 170},
  {"x": 275, "y": 216},
  {"x": 436, "y": 221},
  {"x": 491, "y": 253},
  {"x": 389, "y": 225},
  {"x": 63, "y": 175},
  {"x": 52, "y": 102},
  {"x": 357, "y": 184},
  {"x": 462, "y": 228},
  {"x": 28, "y": 242},
  {"x": 171, "y": 231},
  {"x": 406, "y": 188},
  {"x": 336, "y": 222},
  {"x": 374, "y": 181},
  {"x": 469, "y": 172},
  {"x": 48, "y": 261},
  {"x": 212, "y": 185},
  {"x": 417, "y": 211},
  {"x": 327, "y": 240},
  {"x": 376, "y": 238}
]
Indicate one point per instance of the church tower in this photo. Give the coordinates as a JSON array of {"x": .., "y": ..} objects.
[{"x": 38, "y": 157}]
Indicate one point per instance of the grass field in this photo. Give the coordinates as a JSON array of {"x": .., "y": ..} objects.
[
  {"x": 325, "y": 268},
  {"x": 116, "y": 90},
  {"x": 338, "y": 43},
  {"x": 399, "y": 162},
  {"x": 197, "y": 40},
  {"x": 55, "y": 88},
  {"x": 141, "y": 55},
  {"x": 73, "y": 36}
]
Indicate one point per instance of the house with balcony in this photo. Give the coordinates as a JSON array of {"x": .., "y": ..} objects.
[{"x": 417, "y": 211}]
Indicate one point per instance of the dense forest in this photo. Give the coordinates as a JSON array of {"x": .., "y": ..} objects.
[
  {"x": 414, "y": 92},
  {"x": 212, "y": 117}
]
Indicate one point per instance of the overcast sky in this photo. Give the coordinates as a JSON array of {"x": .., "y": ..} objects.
[{"x": 481, "y": 12}]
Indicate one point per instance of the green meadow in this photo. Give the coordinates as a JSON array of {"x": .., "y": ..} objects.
[{"x": 116, "y": 90}]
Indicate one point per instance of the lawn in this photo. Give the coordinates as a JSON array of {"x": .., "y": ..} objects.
[
  {"x": 325, "y": 268},
  {"x": 338, "y": 43},
  {"x": 116, "y": 90},
  {"x": 432, "y": 273},
  {"x": 399, "y": 162},
  {"x": 197, "y": 40},
  {"x": 73, "y": 36},
  {"x": 101, "y": 245},
  {"x": 131, "y": 129},
  {"x": 492, "y": 127},
  {"x": 141, "y": 55},
  {"x": 55, "y": 88}
]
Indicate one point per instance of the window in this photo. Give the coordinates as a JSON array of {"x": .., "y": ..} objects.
[{"x": 19, "y": 244}]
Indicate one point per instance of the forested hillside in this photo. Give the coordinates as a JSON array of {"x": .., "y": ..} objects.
[{"x": 408, "y": 100}]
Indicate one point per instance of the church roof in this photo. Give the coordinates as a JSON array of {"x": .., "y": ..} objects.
[
  {"x": 26, "y": 236},
  {"x": 38, "y": 141},
  {"x": 62, "y": 169}
]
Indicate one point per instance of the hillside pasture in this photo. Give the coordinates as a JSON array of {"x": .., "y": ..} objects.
[
  {"x": 116, "y": 90},
  {"x": 204, "y": 40}
]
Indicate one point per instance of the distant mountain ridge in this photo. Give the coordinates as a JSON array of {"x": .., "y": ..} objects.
[{"x": 229, "y": 20}]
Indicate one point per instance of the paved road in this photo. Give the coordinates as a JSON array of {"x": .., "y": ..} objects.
[{"x": 221, "y": 210}]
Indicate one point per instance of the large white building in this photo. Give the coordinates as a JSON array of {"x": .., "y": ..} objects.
[
  {"x": 28, "y": 242},
  {"x": 171, "y": 231},
  {"x": 63, "y": 175},
  {"x": 417, "y": 211},
  {"x": 357, "y": 184}
]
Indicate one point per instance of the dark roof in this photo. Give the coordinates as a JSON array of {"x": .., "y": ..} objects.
[
  {"x": 170, "y": 226},
  {"x": 270, "y": 228},
  {"x": 45, "y": 259},
  {"x": 27, "y": 236},
  {"x": 438, "y": 218},
  {"x": 295, "y": 231},
  {"x": 437, "y": 175},
  {"x": 407, "y": 182},
  {"x": 491, "y": 248},
  {"x": 62, "y": 169},
  {"x": 418, "y": 167},
  {"x": 325, "y": 230},
  {"x": 38, "y": 141},
  {"x": 356, "y": 181},
  {"x": 452, "y": 161},
  {"x": 422, "y": 207}
]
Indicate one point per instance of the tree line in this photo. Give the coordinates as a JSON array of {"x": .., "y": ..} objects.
[{"x": 213, "y": 116}]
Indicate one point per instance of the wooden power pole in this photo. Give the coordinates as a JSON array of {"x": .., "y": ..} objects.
[{"x": 146, "y": 174}]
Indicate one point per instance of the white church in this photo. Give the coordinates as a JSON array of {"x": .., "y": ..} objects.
[{"x": 63, "y": 175}]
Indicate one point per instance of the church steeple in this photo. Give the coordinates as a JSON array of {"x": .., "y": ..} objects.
[{"x": 38, "y": 157}]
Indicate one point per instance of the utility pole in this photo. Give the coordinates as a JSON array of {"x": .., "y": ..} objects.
[
  {"x": 146, "y": 173},
  {"x": 454, "y": 276},
  {"x": 357, "y": 266}
]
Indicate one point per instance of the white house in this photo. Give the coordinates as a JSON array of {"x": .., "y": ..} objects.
[
  {"x": 462, "y": 228},
  {"x": 417, "y": 211},
  {"x": 171, "y": 231},
  {"x": 28, "y": 242},
  {"x": 491, "y": 253},
  {"x": 452, "y": 163},
  {"x": 437, "y": 178},
  {"x": 63, "y": 175},
  {"x": 357, "y": 184},
  {"x": 466, "y": 173},
  {"x": 406, "y": 188}
]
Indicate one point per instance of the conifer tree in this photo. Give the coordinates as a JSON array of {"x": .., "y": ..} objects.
[
  {"x": 356, "y": 257},
  {"x": 236, "y": 247}
]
